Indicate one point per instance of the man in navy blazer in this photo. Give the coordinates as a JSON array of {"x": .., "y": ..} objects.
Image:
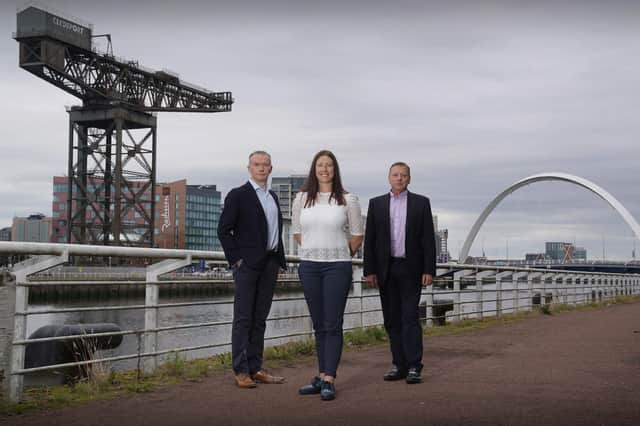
[
  {"x": 400, "y": 258},
  {"x": 250, "y": 230}
]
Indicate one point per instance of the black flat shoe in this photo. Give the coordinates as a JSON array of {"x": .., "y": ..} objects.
[
  {"x": 313, "y": 388},
  {"x": 394, "y": 374},
  {"x": 413, "y": 376},
  {"x": 328, "y": 391}
]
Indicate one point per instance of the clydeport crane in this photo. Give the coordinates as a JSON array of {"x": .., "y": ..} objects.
[{"x": 112, "y": 136}]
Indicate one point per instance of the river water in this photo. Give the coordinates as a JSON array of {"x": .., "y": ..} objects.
[{"x": 133, "y": 319}]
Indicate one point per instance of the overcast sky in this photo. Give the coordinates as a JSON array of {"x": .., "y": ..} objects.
[{"x": 473, "y": 95}]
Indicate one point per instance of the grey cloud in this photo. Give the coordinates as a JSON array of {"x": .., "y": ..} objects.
[{"x": 475, "y": 95}]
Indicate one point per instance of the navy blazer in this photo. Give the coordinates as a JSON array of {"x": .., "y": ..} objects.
[
  {"x": 243, "y": 229},
  {"x": 420, "y": 245}
]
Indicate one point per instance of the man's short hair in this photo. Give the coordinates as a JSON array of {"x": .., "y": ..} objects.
[
  {"x": 259, "y": 153},
  {"x": 402, "y": 164}
]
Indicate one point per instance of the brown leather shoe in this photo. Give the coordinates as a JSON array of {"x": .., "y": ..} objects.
[
  {"x": 244, "y": 381},
  {"x": 264, "y": 377}
]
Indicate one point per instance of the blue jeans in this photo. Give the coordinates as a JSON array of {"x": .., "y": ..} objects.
[{"x": 326, "y": 287}]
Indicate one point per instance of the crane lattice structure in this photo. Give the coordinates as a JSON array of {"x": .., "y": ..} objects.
[{"x": 113, "y": 135}]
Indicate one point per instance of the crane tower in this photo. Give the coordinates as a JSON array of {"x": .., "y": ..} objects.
[{"x": 113, "y": 134}]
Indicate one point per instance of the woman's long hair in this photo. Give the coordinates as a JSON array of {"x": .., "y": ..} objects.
[{"x": 311, "y": 186}]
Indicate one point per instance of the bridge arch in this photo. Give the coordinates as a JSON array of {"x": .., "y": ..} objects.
[{"x": 563, "y": 177}]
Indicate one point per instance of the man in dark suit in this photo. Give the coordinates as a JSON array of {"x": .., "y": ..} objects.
[
  {"x": 250, "y": 230},
  {"x": 400, "y": 258}
]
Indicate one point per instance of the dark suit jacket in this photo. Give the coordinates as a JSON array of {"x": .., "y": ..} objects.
[
  {"x": 242, "y": 229},
  {"x": 420, "y": 246}
]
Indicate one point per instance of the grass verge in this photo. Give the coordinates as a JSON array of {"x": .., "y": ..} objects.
[{"x": 176, "y": 369}]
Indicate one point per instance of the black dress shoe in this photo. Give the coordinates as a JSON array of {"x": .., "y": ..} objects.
[
  {"x": 328, "y": 391},
  {"x": 413, "y": 376},
  {"x": 395, "y": 374},
  {"x": 313, "y": 388}
]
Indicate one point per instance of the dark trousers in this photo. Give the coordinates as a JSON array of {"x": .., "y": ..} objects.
[
  {"x": 251, "y": 305},
  {"x": 326, "y": 287},
  {"x": 400, "y": 297}
]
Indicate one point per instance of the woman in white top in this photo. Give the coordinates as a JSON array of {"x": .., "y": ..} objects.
[{"x": 327, "y": 224}]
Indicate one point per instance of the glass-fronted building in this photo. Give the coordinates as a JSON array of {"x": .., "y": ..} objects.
[
  {"x": 286, "y": 189},
  {"x": 202, "y": 216},
  {"x": 187, "y": 216}
]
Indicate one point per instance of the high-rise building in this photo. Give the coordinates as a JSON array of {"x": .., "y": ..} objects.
[
  {"x": 202, "y": 216},
  {"x": 580, "y": 253},
  {"x": 564, "y": 252},
  {"x": 555, "y": 250},
  {"x": 34, "y": 228},
  {"x": 187, "y": 216},
  {"x": 442, "y": 249},
  {"x": 442, "y": 240},
  {"x": 286, "y": 189},
  {"x": 5, "y": 234}
]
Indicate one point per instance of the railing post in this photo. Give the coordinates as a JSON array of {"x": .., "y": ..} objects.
[
  {"x": 516, "y": 296},
  {"x": 530, "y": 291},
  {"x": 480, "y": 292},
  {"x": 562, "y": 296},
  {"x": 498, "y": 297},
  {"x": 626, "y": 285},
  {"x": 612, "y": 287},
  {"x": 429, "y": 307},
  {"x": 515, "y": 278},
  {"x": 456, "y": 298},
  {"x": 356, "y": 278},
  {"x": 571, "y": 289},
  {"x": 578, "y": 290},
  {"x": 150, "y": 341},
  {"x": 457, "y": 308},
  {"x": 15, "y": 319},
  {"x": 429, "y": 302},
  {"x": 499, "y": 277},
  {"x": 543, "y": 292},
  {"x": 479, "y": 296}
]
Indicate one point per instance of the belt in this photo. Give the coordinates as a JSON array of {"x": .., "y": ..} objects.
[{"x": 397, "y": 259}]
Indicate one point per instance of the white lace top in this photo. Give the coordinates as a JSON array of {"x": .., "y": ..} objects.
[{"x": 326, "y": 228}]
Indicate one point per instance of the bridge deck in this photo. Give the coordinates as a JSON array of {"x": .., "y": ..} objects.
[{"x": 580, "y": 367}]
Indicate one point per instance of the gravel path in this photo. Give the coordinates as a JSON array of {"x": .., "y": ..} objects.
[{"x": 579, "y": 368}]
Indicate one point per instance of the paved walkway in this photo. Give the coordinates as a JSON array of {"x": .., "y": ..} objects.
[{"x": 571, "y": 368}]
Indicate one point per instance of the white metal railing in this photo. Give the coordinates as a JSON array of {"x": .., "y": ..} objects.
[{"x": 471, "y": 291}]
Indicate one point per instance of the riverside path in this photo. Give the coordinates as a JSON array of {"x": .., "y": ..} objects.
[{"x": 580, "y": 367}]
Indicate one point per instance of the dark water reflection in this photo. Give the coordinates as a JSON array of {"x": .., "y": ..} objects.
[{"x": 133, "y": 319}]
